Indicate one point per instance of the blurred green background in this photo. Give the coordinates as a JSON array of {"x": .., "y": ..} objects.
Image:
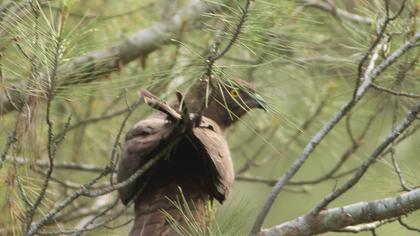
[{"x": 298, "y": 57}]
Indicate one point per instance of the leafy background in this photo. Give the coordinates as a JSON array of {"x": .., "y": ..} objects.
[{"x": 297, "y": 57}]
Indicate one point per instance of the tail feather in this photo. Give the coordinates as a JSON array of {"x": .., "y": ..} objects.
[{"x": 165, "y": 216}]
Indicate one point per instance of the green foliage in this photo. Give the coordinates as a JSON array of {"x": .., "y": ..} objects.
[
  {"x": 298, "y": 57},
  {"x": 229, "y": 224}
]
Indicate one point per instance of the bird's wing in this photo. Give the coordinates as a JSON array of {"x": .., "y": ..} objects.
[
  {"x": 142, "y": 141},
  {"x": 214, "y": 142},
  {"x": 141, "y": 144}
]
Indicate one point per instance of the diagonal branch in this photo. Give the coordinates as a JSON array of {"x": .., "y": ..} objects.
[
  {"x": 369, "y": 77},
  {"x": 98, "y": 63},
  {"x": 60, "y": 165},
  {"x": 341, "y": 217},
  {"x": 338, "y": 12},
  {"x": 409, "y": 119}
]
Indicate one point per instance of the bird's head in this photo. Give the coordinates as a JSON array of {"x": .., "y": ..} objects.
[{"x": 231, "y": 100}]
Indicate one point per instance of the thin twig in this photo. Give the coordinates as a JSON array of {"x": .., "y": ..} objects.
[
  {"x": 393, "y": 151},
  {"x": 235, "y": 34},
  {"x": 396, "y": 93},
  {"x": 375, "y": 45},
  {"x": 366, "y": 227},
  {"x": 411, "y": 228},
  {"x": 51, "y": 146},
  {"x": 319, "y": 136},
  {"x": 57, "y": 165},
  {"x": 346, "y": 154},
  {"x": 371, "y": 159},
  {"x": 97, "y": 119},
  {"x": 338, "y": 12}
]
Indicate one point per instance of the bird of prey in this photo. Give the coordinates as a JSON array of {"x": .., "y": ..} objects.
[{"x": 188, "y": 138}]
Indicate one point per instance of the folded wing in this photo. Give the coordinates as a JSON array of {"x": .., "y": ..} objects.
[
  {"x": 142, "y": 144},
  {"x": 212, "y": 139},
  {"x": 150, "y": 137}
]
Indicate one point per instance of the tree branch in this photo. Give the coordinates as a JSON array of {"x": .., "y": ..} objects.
[
  {"x": 368, "y": 78},
  {"x": 337, "y": 12},
  {"x": 338, "y": 218},
  {"x": 98, "y": 63},
  {"x": 60, "y": 165}
]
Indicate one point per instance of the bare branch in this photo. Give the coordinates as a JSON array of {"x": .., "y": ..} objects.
[
  {"x": 411, "y": 228},
  {"x": 396, "y": 93},
  {"x": 367, "y": 226},
  {"x": 338, "y": 218},
  {"x": 344, "y": 157},
  {"x": 313, "y": 143},
  {"x": 409, "y": 119},
  {"x": 235, "y": 34},
  {"x": 380, "y": 40},
  {"x": 393, "y": 151},
  {"x": 338, "y": 12},
  {"x": 57, "y": 165}
]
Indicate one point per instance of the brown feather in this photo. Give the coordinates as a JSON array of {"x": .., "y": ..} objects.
[{"x": 197, "y": 160}]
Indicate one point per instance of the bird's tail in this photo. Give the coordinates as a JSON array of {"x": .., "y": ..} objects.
[{"x": 177, "y": 213}]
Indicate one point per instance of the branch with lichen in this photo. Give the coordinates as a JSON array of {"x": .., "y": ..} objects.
[{"x": 351, "y": 218}]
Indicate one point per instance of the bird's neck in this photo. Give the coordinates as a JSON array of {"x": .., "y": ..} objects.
[
  {"x": 220, "y": 115},
  {"x": 214, "y": 110}
]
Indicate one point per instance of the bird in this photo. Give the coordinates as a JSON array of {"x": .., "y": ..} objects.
[{"x": 187, "y": 138}]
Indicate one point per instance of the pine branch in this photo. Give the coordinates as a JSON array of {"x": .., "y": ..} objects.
[{"x": 96, "y": 64}]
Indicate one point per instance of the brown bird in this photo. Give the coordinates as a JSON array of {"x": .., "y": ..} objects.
[{"x": 193, "y": 156}]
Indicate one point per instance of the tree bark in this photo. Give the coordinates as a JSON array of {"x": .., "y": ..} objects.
[
  {"x": 338, "y": 218},
  {"x": 96, "y": 64}
]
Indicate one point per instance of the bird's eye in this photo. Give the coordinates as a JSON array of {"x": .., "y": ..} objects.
[{"x": 234, "y": 93}]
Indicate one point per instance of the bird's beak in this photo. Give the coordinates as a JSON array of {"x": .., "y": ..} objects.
[{"x": 260, "y": 102}]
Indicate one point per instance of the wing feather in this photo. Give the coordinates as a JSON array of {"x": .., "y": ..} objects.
[
  {"x": 214, "y": 142},
  {"x": 141, "y": 141}
]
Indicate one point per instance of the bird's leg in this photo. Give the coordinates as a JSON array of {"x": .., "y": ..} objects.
[
  {"x": 189, "y": 120},
  {"x": 182, "y": 106}
]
